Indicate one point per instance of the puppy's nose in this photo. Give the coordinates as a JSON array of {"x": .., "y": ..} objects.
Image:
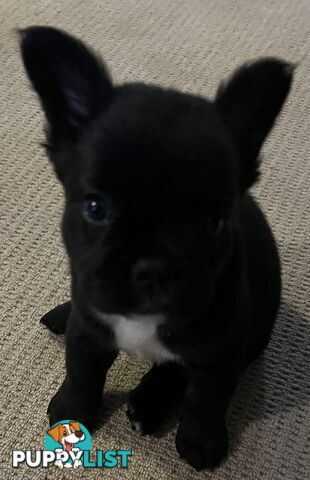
[
  {"x": 79, "y": 433},
  {"x": 148, "y": 273}
]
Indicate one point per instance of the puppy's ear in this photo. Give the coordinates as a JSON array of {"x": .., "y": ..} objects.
[
  {"x": 73, "y": 85},
  {"x": 56, "y": 433},
  {"x": 249, "y": 103},
  {"x": 75, "y": 426}
]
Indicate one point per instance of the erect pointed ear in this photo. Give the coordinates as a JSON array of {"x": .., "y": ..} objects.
[
  {"x": 249, "y": 103},
  {"x": 72, "y": 83}
]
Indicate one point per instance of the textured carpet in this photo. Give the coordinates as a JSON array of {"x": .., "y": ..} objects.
[{"x": 188, "y": 44}]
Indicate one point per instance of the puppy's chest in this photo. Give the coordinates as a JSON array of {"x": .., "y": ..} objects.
[{"x": 138, "y": 337}]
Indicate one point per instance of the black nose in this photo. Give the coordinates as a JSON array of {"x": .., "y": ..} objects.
[{"x": 147, "y": 273}]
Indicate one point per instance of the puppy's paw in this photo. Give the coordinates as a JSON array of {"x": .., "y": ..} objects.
[
  {"x": 134, "y": 419},
  {"x": 143, "y": 417},
  {"x": 202, "y": 448},
  {"x": 56, "y": 320},
  {"x": 77, "y": 464},
  {"x": 70, "y": 404},
  {"x": 151, "y": 401},
  {"x": 59, "y": 464}
]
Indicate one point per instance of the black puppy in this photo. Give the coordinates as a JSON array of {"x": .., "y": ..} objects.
[{"x": 171, "y": 259}]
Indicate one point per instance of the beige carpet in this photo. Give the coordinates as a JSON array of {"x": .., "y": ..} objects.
[{"x": 189, "y": 44}]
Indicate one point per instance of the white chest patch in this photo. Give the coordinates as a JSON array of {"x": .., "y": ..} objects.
[{"x": 137, "y": 336}]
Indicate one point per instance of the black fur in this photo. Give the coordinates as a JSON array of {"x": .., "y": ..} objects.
[{"x": 174, "y": 231}]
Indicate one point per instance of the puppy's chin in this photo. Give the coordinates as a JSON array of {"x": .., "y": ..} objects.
[
  {"x": 130, "y": 310},
  {"x": 184, "y": 305},
  {"x": 180, "y": 312},
  {"x": 121, "y": 301}
]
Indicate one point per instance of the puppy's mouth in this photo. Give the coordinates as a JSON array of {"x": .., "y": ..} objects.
[{"x": 68, "y": 446}]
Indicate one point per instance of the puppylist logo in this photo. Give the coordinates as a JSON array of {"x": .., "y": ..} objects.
[{"x": 68, "y": 445}]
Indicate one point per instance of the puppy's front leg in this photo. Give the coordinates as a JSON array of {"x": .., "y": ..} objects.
[
  {"x": 202, "y": 437},
  {"x": 151, "y": 400},
  {"x": 89, "y": 355}
]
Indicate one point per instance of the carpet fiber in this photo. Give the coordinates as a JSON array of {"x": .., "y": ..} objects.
[{"x": 190, "y": 45}]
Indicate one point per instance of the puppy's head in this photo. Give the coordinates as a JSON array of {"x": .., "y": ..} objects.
[
  {"x": 152, "y": 176},
  {"x": 67, "y": 434}
]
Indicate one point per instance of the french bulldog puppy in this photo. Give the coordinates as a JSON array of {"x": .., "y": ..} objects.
[{"x": 171, "y": 258}]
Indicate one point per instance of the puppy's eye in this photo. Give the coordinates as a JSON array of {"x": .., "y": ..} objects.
[
  {"x": 65, "y": 434},
  {"x": 215, "y": 225},
  {"x": 95, "y": 210},
  {"x": 98, "y": 210}
]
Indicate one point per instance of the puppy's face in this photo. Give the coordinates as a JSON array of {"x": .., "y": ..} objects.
[
  {"x": 147, "y": 217},
  {"x": 67, "y": 434},
  {"x": 152, "y": 177}
]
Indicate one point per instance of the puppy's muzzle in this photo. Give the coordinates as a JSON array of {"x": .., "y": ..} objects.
[{"x": 153, "y": 281}]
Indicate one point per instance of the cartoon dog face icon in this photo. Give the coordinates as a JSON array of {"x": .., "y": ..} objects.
[{"x": 68, "y": 435}]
